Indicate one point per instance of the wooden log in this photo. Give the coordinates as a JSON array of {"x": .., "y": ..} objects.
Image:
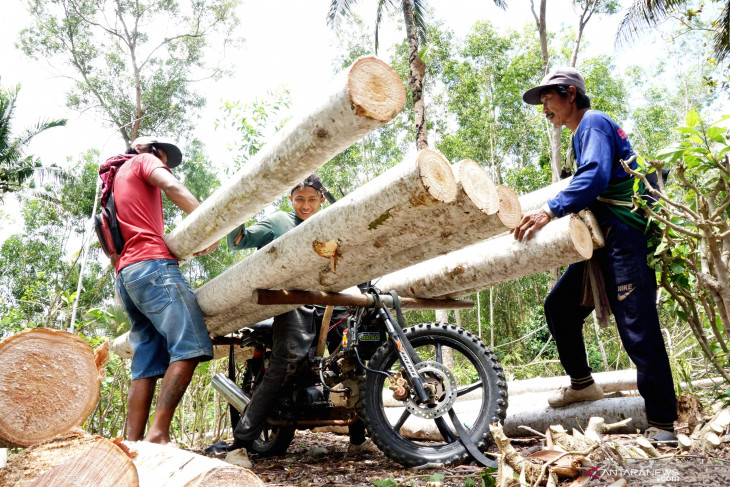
[
  {"x": 613, "y": 381},
  {"x": 167, "y": 466},
  {"x": 536, "y": 199},
  {"x": 77, "y": 460},
  {"x": 464, "y": 221},
  {"x": 49, "y": 384},
  {"x": 417, "y": 190},
  {"x": 560, "y": 242},
  {"x": 273, "y": 297},
  {"x": 361, "y": 99},
  {"x": 485, "y": 226}
]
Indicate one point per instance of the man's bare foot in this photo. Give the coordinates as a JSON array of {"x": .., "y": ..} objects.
[{"x": 160, "y": 439}]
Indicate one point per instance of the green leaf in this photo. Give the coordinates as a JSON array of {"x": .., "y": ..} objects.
[
  {"x": 692, "y": 119},
  {"x": 437, "y": 477},
  {"x": 390, "y": 482},
  {"x": 716, "y": 134},
  {"x": 469, "y": 482},
  {"x": 677, "y": 266},
  {"x": 487, "y": 479}
]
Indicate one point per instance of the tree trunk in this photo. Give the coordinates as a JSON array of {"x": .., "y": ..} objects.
[
  {"x": 410, "y": 191},
  {"x": 614, "y": 381},
  {"x": 482, "y": 227},
  {"x": 532, "y": 410},
  {"x": 486, "y": 264},
  {"x": 536, "y": 199},
  {"x": 406, "y": 241},
  {"x": 77, "y": 460},
  {"x": 50, "y": 384},
  {"x": 165, "y": 466},
  {"x": 364, "y": 97},
  {"x": 415, "y": 81}
]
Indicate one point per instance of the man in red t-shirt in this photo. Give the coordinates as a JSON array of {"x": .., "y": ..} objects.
[{"x": 168, "y": 333}]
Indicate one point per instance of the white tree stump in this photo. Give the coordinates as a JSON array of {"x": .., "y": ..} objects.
[
  {"x": 49, "y": 384},
  {"x": 362, "y": 98}
]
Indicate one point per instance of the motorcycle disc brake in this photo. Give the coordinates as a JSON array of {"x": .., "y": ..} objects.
[{"x": 441, "y": 388}]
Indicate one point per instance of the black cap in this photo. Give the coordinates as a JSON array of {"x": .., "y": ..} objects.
[
  {"x": 312, "y": 181},
  {"x": 560, "y": 76}
]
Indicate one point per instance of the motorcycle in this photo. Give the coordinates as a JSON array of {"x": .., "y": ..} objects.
[{"x": 422, "y": 371}]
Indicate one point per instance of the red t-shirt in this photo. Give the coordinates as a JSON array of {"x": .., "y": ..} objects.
[{"x": 139, "y": 211}]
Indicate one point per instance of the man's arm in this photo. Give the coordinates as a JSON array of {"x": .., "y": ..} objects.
[
  {"x": 179, "y": 195},
  {"x": 174, "y": 190}
]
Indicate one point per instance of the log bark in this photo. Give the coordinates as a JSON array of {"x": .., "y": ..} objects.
[
  {"x": 476, "y": 211},
  {"x": 486, "y": 264},
  {"x": 482, "y": 228},
  {"x": 49, "y": 384},
  {"x": 533, "y": 411},
  {"x": 362, "y": 98},
  {"x": 377, "y": 213},
  {"x": 77, "y": 460},
  {"x": 536, "y": 199},
  {"x": 614, "y": 381},
  {"x": 166, "y": 466}
]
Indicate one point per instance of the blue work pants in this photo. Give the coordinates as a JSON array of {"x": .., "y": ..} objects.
[{"x": 631, "y": 288}]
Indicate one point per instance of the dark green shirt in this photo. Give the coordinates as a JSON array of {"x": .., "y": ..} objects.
[{"x": 263, "y": 232}]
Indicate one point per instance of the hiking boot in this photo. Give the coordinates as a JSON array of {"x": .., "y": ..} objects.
[
  {"x": 366, "y": 446},
  {"x": 568, "y": 395},
  {"x": 664, "y": 437}
]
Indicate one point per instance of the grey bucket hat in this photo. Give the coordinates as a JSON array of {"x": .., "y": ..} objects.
[
  {"x": 173, "y": 152},
  {"x": 560, "y": 76}
]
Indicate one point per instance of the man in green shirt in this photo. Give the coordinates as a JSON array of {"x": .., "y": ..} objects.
[{"x": 295, "y": 331}]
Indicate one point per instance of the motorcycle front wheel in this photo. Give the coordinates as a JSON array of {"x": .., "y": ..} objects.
[{"x": 457, "y": 363}]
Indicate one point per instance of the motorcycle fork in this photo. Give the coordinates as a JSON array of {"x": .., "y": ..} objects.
[{"x": 406, "y": 353}]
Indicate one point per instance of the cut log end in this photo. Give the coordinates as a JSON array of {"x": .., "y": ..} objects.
[
  {"x": 437, "y": 175},
  {"x": 478, "y": 186},
  {"x": 510, "y": 211},
  {"x": 79, "y": 460},
  {"x": 375, "y": 89},
  {"x": 49, "y": 384},
  {"x": 581, "y": 236}
]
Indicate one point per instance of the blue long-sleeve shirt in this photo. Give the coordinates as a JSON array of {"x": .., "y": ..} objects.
[{"x": 599, "y": 144}]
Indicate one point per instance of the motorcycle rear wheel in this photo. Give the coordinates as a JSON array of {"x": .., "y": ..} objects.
[{"x": 476, "y": 370}]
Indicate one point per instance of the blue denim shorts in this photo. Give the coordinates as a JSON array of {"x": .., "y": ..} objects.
[{"x": 167, "y": 323}]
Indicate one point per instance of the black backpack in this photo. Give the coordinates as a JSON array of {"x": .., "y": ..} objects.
[
  {"x": 106, "y": 224},
  {"x": 108, "y": 231}
]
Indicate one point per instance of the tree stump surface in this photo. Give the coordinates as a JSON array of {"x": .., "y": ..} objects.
[
  {"x": 77, "y": 460},
  {"x": 49, "y": 384}
]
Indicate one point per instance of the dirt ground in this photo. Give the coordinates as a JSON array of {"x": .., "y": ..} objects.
[{"x": 320, "y": 459}]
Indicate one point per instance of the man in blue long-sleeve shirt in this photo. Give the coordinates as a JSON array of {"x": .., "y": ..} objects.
[{"x": 601, "y": 184}]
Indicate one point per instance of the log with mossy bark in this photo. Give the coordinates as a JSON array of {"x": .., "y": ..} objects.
[
  {"x": 494, "y": 261},
  {"x": 49, "y": 384},
  {"x": 361, "y": 99}
]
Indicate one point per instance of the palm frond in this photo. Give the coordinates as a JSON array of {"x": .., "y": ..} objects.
[
  {"x": 643, "y": 14},
  {"x": 338, "y": 10},
  {"x": 721, "y": 39},
  {"x": 420, "y": 12},
  {"x": 39, "y": 127},
  {"x": 383, "y": 5}
]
